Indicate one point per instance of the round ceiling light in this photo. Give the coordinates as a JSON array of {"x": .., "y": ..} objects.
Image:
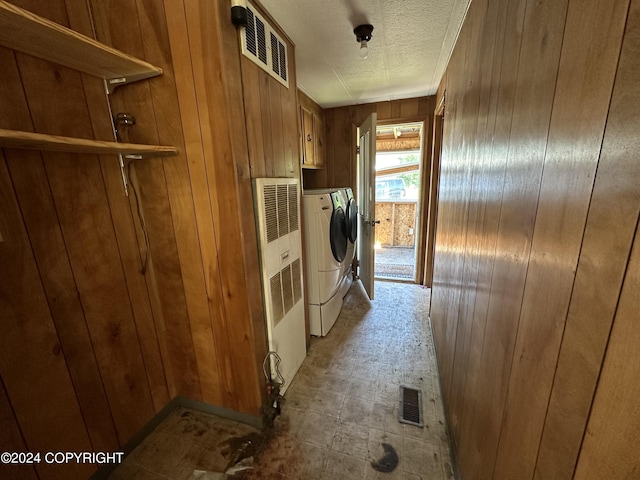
[{"x": 363, "y": 35}]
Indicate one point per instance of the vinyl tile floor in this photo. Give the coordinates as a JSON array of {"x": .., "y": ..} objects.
[{"x": 340, "y": 417}]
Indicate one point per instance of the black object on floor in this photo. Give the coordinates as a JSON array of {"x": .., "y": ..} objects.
[{"x": 389, "y": 460}]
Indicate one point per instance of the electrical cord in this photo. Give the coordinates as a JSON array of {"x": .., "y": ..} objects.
[
  {"x": 143, "y": 226},
  {"x": 121, "y": 124}
]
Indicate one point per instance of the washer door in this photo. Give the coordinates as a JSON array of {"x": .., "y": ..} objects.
[
  {"x": 338, "y": 234},
  {"x": 352, "y": 220}
]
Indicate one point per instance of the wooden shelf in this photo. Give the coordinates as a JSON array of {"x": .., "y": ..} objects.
[
  {"x": 54, "y": 143},
  {"x": 26, "y": 32},
  {"x": 310, "y": 166}
]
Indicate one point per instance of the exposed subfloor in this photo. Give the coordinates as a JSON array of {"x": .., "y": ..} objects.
[{"x": 340, "y": 418}]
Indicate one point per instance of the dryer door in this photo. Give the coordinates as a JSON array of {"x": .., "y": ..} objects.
[
  {"x": 352, "y": 220},
  {"x": 338, "y": 233}
]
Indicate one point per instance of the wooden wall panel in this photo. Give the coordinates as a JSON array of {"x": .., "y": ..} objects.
[
  {"x": 162, "y": 220},
  {"x": 223, "y": 193},
  {"x": 576, "y": 128},
  {"x": 276, "y": 129},
  {"x": 290, "y": 130},
  {"x": 11, "y": 440},
  {"x": 265, "y": 115},
  {"x": 481, "y": 34},
  {"x": 144, "y": 306},
  {"x": 534, "y": 92},
  {"x": 495, "y": 107},
  {"x": 181, "y": 197},
  {"x": 85, "y": 221},
  {"x": 609, "y": 233},
  {"x": 32, "y": 190},
  {"x": 518, "y": 345},
  {"x": 482, "y": 415},
  {"x": 49, "y": 248},
  {"x": 106, "y": 342},
  {"x": 33, "y": 365},
  {"x": 82, "y": 208},
  {"x": 271, "y": 111},
  {"x": 610, "y": 448},
  {"x": 236, "y": 232},
  {"x": 253, "y": 114},
  {"x": 235, "y": 94},
  {"x": 195, "y": 138}
]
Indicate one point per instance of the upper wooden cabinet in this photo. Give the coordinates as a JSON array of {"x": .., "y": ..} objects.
[
  {"x": 313, "y": 139},
  {"x": 312, "y": 132}
]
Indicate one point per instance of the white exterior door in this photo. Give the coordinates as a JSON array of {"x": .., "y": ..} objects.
[{"x": 367, "y": 201}]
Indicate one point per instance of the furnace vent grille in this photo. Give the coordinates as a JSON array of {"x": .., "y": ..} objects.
[
  {"x": 281, "y": 210},
  {"x": 286, "y": 290}
]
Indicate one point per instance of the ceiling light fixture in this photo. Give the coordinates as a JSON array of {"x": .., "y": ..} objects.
[{"x": 363, "y": 35}]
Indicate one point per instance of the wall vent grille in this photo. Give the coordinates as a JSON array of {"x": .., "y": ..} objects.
[
  {"x": 286, "y": 290},
  {"x": 296, "y": 274},
  {"x": 276, "y": 297},
  {"x": 281, "y": 210},
  {"x": 293, "y": 208},
  {"x": 269, "y": 55},
  {"x": 271, "y": 212}
]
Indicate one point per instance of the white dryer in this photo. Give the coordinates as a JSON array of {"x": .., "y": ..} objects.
[
  {"x": 351, "y": 213},
  {"x": 326, "y": 248}
]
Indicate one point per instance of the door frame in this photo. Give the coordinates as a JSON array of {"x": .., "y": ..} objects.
[
  {"x": 425, "y": 182},
  {"x": 434, "y": 188},
  {"x": 425, "y": 167}
]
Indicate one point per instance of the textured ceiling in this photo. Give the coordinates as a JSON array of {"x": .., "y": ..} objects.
[{"x": 410, "y": 46}]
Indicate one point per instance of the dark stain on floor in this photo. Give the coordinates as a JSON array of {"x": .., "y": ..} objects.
[
  {"x": 238, "y": 448},
  {"x": 193, "y": 425},
  {"x": 389, "y": 460}
]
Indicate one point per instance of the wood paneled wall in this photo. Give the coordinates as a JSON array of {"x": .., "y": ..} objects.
[
  {"x": 538, "y": 208},
  {"x": 271, "y": 111},
  {"x": 341, "y": 160},
  {"x": 92, "y": 346},
  {"x": 341, "y": 124}
]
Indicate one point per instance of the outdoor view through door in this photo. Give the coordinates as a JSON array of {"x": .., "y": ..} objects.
[{"x": 397, "y": 195}]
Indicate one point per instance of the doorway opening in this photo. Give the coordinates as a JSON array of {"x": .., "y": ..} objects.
[{"x": 399, "y": 160}]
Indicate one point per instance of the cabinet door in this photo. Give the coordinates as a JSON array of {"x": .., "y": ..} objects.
[
  {"x": 318, "y": 124},
  {"x": 308, "y": 138}
]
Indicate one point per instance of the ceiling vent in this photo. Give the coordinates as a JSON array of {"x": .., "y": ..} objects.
[{"x": 263, "y": 46}]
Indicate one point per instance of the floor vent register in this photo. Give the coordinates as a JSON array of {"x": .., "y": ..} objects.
[{"x": 410, "y": 410}]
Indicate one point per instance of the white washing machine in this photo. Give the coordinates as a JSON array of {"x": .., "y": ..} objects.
[{"x": 326, "y": 249}]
